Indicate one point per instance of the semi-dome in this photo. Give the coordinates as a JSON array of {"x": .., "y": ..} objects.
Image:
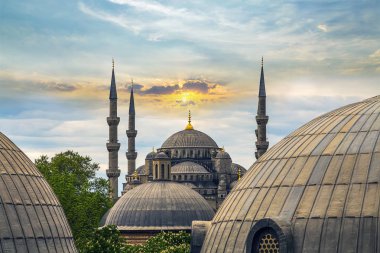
[
  {"x": 317, "y": 190},
  {"x": 188, "y": 168},
  {"x": 141, "y": 170},
  {"x": 189, "y": 138},
  {"x": 236, "y": 167},
  {"x": 31, "y": 217},
  {"x": 161, "y": 155},
  {"x": 222, "y": 155},
  {"x": 150, "y": 155},
  {"x": 159, "y": 205}
]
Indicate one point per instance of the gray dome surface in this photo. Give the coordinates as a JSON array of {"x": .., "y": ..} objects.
[
  {"x": 159, "y": 205},
  {"x": 235, "y": 169},
  {"x": 188, "y": 167},
  {"x": 141, "y": 170},
  {"x": 161, "y": 155},
  {"x": 150, "y": 155},
  {"x": 223, "y": 155},
  {"x": 322, "y": 180},
  {"x": 189, "y": 138},
  {"x": 31, "y": 217}
]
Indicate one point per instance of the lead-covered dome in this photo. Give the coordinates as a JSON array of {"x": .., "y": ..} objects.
[
  {"x": 188, "y": 168},
  {"x": 31, "y": 217},
  {"x": 159, "y": 205},
  {"x": 189, "y": 138},
  {"x": 317, "y": 190}
]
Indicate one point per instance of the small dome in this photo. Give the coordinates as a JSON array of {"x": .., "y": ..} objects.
[
  {"x": 189, "y": 139},
  {"x": 188, "y": 167},
  {"x": 317, "y": 190},
  {"x": 222, "y": 155},
  {"x": 141, "y": 170},
  {"x": 151, "y": 156},
  {"x": 161, "y": 155},
  {"x": 235, "y": 169},
  {"x": 159, "y": 204},
  {"x": 31, "y": 217}
]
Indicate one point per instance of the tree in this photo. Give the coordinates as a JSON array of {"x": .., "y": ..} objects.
[
  {"x": 83, "y": 196},
  {"x": 106, "y": 239}
]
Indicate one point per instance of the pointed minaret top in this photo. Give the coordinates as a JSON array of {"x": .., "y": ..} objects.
[
  {"x": 262, "y": 92},
  {"x": 113, "y": 92},
  {"x": 132, "y": 101},
  {"x": 189, "y": 126}
]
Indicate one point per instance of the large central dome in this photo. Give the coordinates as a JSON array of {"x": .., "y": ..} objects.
[{"x": 189, "y": 138}]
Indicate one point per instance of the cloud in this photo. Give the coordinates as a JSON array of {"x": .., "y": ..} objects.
[
  {"x": 197, "y": 85},
  {"x": 322, "y": 27},
  {"x": 160, "y": 90},
  {"x": 375, "y": 57}
]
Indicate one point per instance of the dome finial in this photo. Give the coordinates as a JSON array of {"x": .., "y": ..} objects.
[
  {"x": 189, "y": 126},
  {"x": 135, "y": 175}
]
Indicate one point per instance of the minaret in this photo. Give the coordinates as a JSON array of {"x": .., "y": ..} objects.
[
  {"x": 261, "y": 118},
  {"x": 131, "y": 133},
  {"x": 113, "y": 146}
]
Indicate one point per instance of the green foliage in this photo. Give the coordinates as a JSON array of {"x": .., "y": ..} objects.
[
  {"x": 83, "y": 196},
  {"x": 163, "y": 243},
  {"x": 107, "y": 239}
]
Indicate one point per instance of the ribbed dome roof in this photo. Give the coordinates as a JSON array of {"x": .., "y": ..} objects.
[
  {"x": 188, "y": 167},
  {"x": 235, "y": 169},
  {"x": 150, "y": 155},
  {"x": 223, "y": 155},
  {"x": 189, "y": 138},
  {"x": 31, "y": 217},
  {"x": 161, "y": 155},
  {"x": 323, "y": 180},
  {"x": 159, "y": 205}
]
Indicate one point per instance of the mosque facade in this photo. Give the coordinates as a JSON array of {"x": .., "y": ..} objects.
[{"x": 190, "y": 157}]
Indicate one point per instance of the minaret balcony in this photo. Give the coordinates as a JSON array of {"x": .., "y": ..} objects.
[
  {"x": 131, "y": 133},
  {"x": 262, "y": 145},
  {"x": 131, "y": 155},
  {"x": 262, "y": 119},
  {"x": 113, "y": 146},
  {"x": 112, "y": 121},
  {"x": 113, "y": 173}
]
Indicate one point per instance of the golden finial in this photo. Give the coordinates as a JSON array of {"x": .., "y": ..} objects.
[
  {"x": 153, "y": 149},
  {"x": 113, "y": 63},
  {"x": 189, "y": 126},
  {"x": 223, "y": 148},
  {"x": 135, "y": 175},
  {"x": 239, "y": 173}
]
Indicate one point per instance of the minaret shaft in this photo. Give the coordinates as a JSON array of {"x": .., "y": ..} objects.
[
  {"x": 131, "y": 133},
  {"x": 113, "y": 145},
  {"x": 261, "y": 119}
]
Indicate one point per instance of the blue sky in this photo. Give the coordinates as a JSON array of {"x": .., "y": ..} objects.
[{"x": 55, "y": 69}]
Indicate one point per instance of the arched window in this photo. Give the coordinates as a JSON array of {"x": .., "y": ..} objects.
[
  {"x": 202, "y": 178},
  {"x": 265, "y": 240},
  {"x": 191, "y": 177},
  {"x": 185, "y": 177},
  {"x": 156, "y": 171},
  {"x": 179, "y": 177},
  {"x": 162, "y": 171}
]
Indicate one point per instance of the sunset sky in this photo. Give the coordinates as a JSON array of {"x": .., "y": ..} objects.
[{"x": 56, "y": 61}]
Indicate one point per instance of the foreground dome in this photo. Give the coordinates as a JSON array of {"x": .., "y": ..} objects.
[
  {"x": 159, "y": 205},
  {"x": 189, "y": 138},
  {"x": 31, "y": 217},
  {"x": 317, "y": 190}
]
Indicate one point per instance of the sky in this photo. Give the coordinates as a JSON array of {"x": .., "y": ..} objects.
[{"x": 203, "y": 56}]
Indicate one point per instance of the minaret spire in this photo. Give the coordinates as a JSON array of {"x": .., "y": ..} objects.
[
  {"x": 189, "y": 126},
  {"x": 131, "y": 133},
  {"x": 261, "y": 118},
  {"x": 113, "y": 145}
]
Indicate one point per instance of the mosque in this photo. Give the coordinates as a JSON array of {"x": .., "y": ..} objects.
[{"x": 189, "y": 157}]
